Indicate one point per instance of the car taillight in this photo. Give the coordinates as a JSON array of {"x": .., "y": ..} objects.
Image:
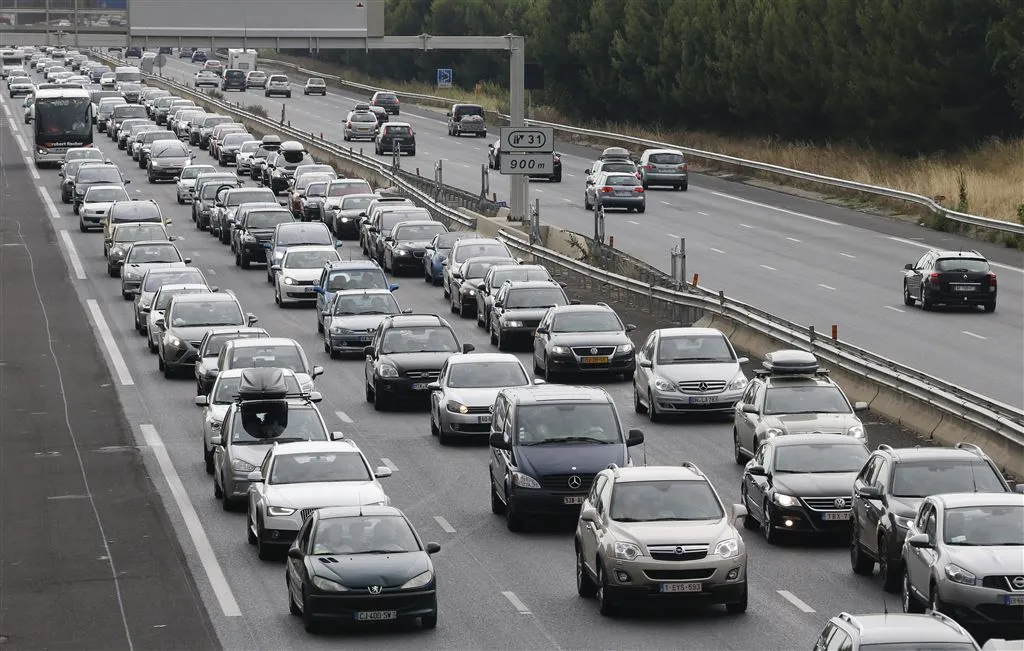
[
  {"x": 411, "y": 132},
  {"x": 637, "y": 175},
  {"x": 991, "y": 280},
  {"x": 934, "y": 277},
  {"x": 648, "y": 167},
  {"x": 638, "y": 189},
  {"x": 606, "y": 189}
]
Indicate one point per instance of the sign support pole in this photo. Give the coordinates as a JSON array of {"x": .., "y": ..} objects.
[{"x": 519, "y": 189}]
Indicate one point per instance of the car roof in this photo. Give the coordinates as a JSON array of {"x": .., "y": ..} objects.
[
  {"x": 486, "y": 258},
  {"x": 356, "y": 511},
  {"x": 310, "y": 248},
  {"x": 903, "y": 628},
  {"x": 398, "y": 124},
  {"x": 676, "y": 332},
  {"x": 658, "y": 473},
  {"x": 929, "y": 454},
  {"x": 417, "y": 222},
  {"x": 105, "y": 186},
  {"x": 797, "y": 380},
  {"x": 663, "y": 151},
  {"x": 307, "y": 447},
  {"x": 955, "y": 500},
  {"x": 153, "y": 243},
  {"x": 262, "y": 342},
  {"x": 531, "y": 284},
  {"x": 237, "y": 330},
  {"x": 482, "y": 358},
  {"x": 478, "y": 241},
  {"x": 589, "y": 307},
  {"x": 957, "y": 254},
  {"x": 415, "y": 320},
  {"x": 345, "y": 265},
  {"x": 204, "y": 298},
  {"x": 539, "y": 393},
  {"x": 302, "y": 225},
  {"x": 174, "y": 287},
  {"x": 806, "y": 439},
  {"x": 363, "y": 292}
]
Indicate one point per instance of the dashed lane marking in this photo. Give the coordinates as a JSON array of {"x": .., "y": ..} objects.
[
  {"x": 123, "y": 375},
  {"x": 76, "y": 262},
  {"x": 389, "y": 463},
  {"x": 894, "y": 309},
  {"x": 971, "y": 334},
  {"x": 764, "y": 266},
  {"x": 795, "y": 600},
  {"x": 828, "y": 287},
  {"x": 343, "y": 417},
  {"x": 516, "y": 602},
  {"x": 447, "y": 528},
  {"x": 776, "y": 208},
  {"x": 793, "y": 239}
]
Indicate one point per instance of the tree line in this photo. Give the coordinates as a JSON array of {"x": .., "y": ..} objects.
[{"x": 902, "y": 75}]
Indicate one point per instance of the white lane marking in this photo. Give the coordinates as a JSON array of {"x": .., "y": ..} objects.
[
  {"x": 922, "y": 245},
  {"x": 343, "y": 417},
  {"x": 764, "y": 266},
  {"x": 218, "y": 582},
  {"x": 634, "y": 222},
  {"x": 32, "y": 169},
  {"x": 795, "y": 600},
  {"x": 971, "y": 334},
  {"x": 775, "y": 208},
  {"x": 793, "y": 239},
  {"x": 447, "y": 528},
  {"x": 713, "y": 249},
  {"x": 7, "y": 112},
  {"x": 389, "y": 463},
  {"x": 746, "y": 225},
  {"x": 847, "y": 255},
  {"x": 702, "y": 213},
  {"x": 828, "y": 287},
  {"x": 109, "y": 343},
  {"x": 537, "y": 190},
  {"x": 571, "y": 176},
  {"x": 21, "y": 143},
  {"x": 50, "y": 206},
  {"x": 516, "y": 602},
  {"x": 666, "y": 203},
  {"x": 76, "y": 262},
  {"x": 671, "y": 235},
  {"x": 566, "y": 199},
  {"x": 894, "y": 309}
]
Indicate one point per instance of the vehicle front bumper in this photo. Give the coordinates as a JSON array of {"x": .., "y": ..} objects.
[
  {"x": 178, "y": 359},
  {"x": 164, "y": 172},
  {"x": 407, "y": 604},
  {"x": 972, "y": 604},
  {"x": 93, "y": 216},
  {"x": 347, "y": 227},
  {"x": 646, "y": 578},
  {"x": 401, "y": 387},
  {"x": 236, "y": 485},
  {"x": 296, "y": 293},
  {"x": 543, "y": 502},
  {"x": 228, "y": 155},
  {"x": 569, "y": 363},
  {"x": 349, "y": 342},
  {"x": 684, "y": 402},
  {"x": 800, "y": 519},
  {"x": 413, "y": 261},
  {"x": 254, "y": 251},
  {"x": 184, "y": 192},
  {"x": 471, "y": 424}
]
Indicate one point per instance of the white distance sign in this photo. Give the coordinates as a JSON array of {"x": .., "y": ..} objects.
[{"x": 528, "y": 164}]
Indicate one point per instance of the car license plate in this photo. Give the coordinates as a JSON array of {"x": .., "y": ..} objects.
[
  {"x": 687, "y": 586},
  {"x": 376, "y": 615},
  {"x": 623, "y": 193},
  {"x": 595, "y": 360},
  {"x": 484, "y": 419},
  {"x": 1013, "y": 600},
  {"x": 420, "y": 386},
  {"x": 964, "y": 288},
  {"x": 575, "y": 499},
  {"x": 841, "y": 515},
  {"x": 702, "y": 400}
]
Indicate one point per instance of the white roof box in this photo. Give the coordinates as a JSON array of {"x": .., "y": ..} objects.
[{"x": 790, "y": 362}]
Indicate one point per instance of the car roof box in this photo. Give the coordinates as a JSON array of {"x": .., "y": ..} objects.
[
  {"x": 790, "y": 362},
  {"x": 262, "y": 384}
]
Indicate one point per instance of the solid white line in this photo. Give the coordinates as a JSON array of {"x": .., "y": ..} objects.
[
  {"x": 828, "y": 287},
  {"x": 343, "y": 417},
  {"x": 793, "y": 239},
  {"x": 764, "y": 266},
  {"x": 702, "y": 213},
  {"x": 847, "y": 255},
  {"x": 775, "y": 208},
  {"x": 218, "y": 582},
  {"x": 50, "y": 206},
  {"x": 717, "y": 250},
  {"x": 971, "y": 334},
  {"x": 76, "y": 262},
  {"x": 108, "y": 341},
  {"x": 566, "y": 199},
  {"x": 447, "y": 528},
  {"x": 894, "y": 309},
  {"x": 389, "y": 463},
  {"x": 32, "y": 168},
  {"x": 796, "y": 601},
  {"x": 516, "y": 602},
  {"x": 746, "y": 225},
  {"x": 7, "y": 112},
  {"x": 666, "y": 203}
]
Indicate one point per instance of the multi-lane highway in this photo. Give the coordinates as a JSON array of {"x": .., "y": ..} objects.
[
  {"x": 497, "y": 589},
  {"x": 808, "y": 261}
]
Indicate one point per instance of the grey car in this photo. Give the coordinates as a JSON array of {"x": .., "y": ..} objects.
[
  {"x": 664, "y": 167},
  {"x": 122, "y": 237},
  {"x": 351, "y": 317},
  {"x": 519, "y": 306},
  {"x": 167, "y": 159},
  {"x": 463, "y": 395},
  {"x": 615, "y": 190},
  {"x": 154, "y": 280},
  {"x": 209, "y": 353},
  {"x": 964, "y": 556},
  {"x": 848, "y": 632},
  {"x": 162, "y": 299},
  {"x": 146, "y": 255},
  {"x": 186, "y": 322},
  {"x": 497, "y": 276}
]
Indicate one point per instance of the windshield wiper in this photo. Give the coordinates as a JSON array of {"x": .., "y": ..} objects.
[
  {"x": 700, "y": 359},
  {"x": 379, "y": 551},
  {"x": 573, "y": 439}
]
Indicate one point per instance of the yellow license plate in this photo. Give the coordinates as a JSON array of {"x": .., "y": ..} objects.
[{"x": 595, "y": 360}]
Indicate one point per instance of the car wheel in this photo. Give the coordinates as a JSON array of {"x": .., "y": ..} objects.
[
  {"x": 935, "y": 603},
  {"x": 225, "y": 502},
  {"x": 926, "y": 301},
  {"x": 741, "y": 459},
  {"x": 250, "y": 536},
  {"x": 497, "y": 506},
  {"x": 738, "y": 607},
  {"x": 312, "y": 626},
  {"x": 685, "y": 186},
  {"x": 585, "y": 585},
  {"x": 606, "y": 603},
  {"x": 910, "y": 603},
  {"x": 990, "y": 307},
  {"x": 652, "y": 409},
  {"x": 208, "y": 459},
  {"x": 434, "y": 429},
  {"x": 860, "y": 562},
  {"x": 641, "y": 209},
  {"x": 152, "y": 346},
  {"x": 442, "y": 437},
  {"x": 907, "y": 298},
  {"x": 513, "y": 522},
  {"x": 586, "y": 202},
  {"x": 494, "y": 338},
  {"x": 168, "y": 371},
  {"x": 888, "y": 568},
  {"x": 380, "y": 402},
  {"x": 263, "y": 550},
  {"x": 771, "y": 536},
  {"x": 749, "y": 522},
  {"x": 81, "y": 226},
  {"x": 243, "y": 260},
  {"x": 217, "y": 492}
]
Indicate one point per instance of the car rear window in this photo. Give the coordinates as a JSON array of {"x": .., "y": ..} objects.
[
  {"x": 666, "y": 159},
  {"x": 398, "y": 131},
  {"x": 967, "y": 265},
  {"x": 621, "y": 181},
  {"x": 237, "y": 75}
]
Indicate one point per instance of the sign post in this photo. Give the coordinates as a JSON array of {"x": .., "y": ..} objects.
[
  {"x": 444, "y": 77},
  {"x": 161, "y": 61}
]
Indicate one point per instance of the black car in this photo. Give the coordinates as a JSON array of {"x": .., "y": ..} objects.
[
  {"x": 547, "y": 443},
  {"x": 88, "y": 175},
  {"x": 133, "y": 52},
  {"x": 362, "y": 564},
  {"x": 890, "y": 487},
  {"x": 396, "y": 134},
  {"x": 497, "y": 276},
  {"x": 280, "y": 168},
  {"x": 406, "y": 355},
  {"x": 404, "y": 249},
  {"x": 494, "y": 162},
  {"x": 519, "y": 307},
  {"x": 388, "y": 101},
  {"x": 951, "y": 278},
  {"x": 466, "y": 278},
  {"x": 233, "y": 80},
  {"x": 199, "y": 56},
  {"x": 802, "y": 483},
  {"x": 582, "y": 339},
  {"x": 254, "y": 232}
]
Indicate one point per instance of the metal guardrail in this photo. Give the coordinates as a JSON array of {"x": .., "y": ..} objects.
[
  {"x": 1002, "y": 419},
  {"x": 927, "y": 203}
]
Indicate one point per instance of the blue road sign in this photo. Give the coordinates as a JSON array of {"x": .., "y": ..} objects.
[{"x": 444, "y": 77}]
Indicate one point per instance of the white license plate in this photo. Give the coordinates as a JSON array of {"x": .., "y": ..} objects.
[
  {"x": 964, "y": 288},
  {"x": 420, "y": 386},
  {"x": 484, "y": 419},
  {"x": 575, "y": 499},
  {"x": 621, "y": 193},
  {"x": 1013, "y": 600},
  {"x": 702, "y": 400},
  {"x": 842, "y": 515},
  {"x": 376, "y": 615},
  {"x": 688, "y": 586}
]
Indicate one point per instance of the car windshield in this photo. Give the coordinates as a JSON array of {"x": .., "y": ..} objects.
[
  {"x": 319, "y": 467},
  {"x": 385, "y": 534},
  {"x": 694, "y": 349},
  {"x": 805, "y": 400},
  {"x": 924, "y": 478},
  {"x": 417, "y": 232},
  {"x": 364, "y": 117},
  {"x": 820, "y": 457},
  {"x": 192, "y": 171},
  {"x": 185, "y": 276},
  {"x": 257, "y": 195},
  {"x": 317, "y": 189},
  {"x": 389, "y": 219},
  {"x": 135, "y": 211},
  {"x": 153, "y": 254},
  {"x": 486, "y": 375},
  {"x": 210, "y": 190},
  {"x": 398, "y": 130},
  {"x": 139, "y": 232},
  {"x": 315, "y": 81},
  {"x": 476, "y": 270},
  {"x": 227, "y": 387},
  {"x": 545, "y": 424},
  {"x": 96, "y": 195},
  {"x": 344, "y": 188},
  {"x": 519, "y": 274},
  {"x": 304, "y": 235},
  {"x": 84, "y": 154},
  {"x": 664, "y": 501},
  {"x": 236, "y": 139},
  {"x": 423, "y": 339},
  {"x": 353, "y": 203},
  {"x": 279, "y": 356},
  {"x": 534, "y": 297},
  {"x": 586, "y": 322},
  {"x": 308, "y": 259},
  {"x": 666, "y": 159},
  {"x": 163, "y": 299},
  {"x": 356, "y": 279},
  {"x": 169, "y": 149},
  {"x": 351, "y": 305},
  {"x": 205, "y": 313},
  {"x": 268, "y": 218},
  {"x": 276, "y": 423},
  {"x": 479, "y": 251},
  {"x": 249, "y": 146},
  {"x": 965, "y": 265},
  {"x": 619, "y": 167},
  {"x": 99, "y": 174},
  {"x": 150, "y": 137},
  {"x": 985, "y": 526},
  {"x": 463, "y": 111}
]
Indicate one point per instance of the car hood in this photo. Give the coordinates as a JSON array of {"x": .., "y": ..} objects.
[
  {"x": 985, "y": 561},
  {"x": 316, "y": 495},
  {"x": 525, "y": 313},
  {"x": 417, "y": 361},
  {"x": 825, "y": 484},
  {"x": 252, "y": 453},
  {"x": 568, "y": 458},
  {"x": 412, "y": 245},
  {"x": 707, "y": 532},
  {"x": 812, "y": 423},
  {"x": 196, "y": 333},
  {"x": 474, "y": 397},
  {"x": 469, "y": 284},
  {"x": 134, "y": 269},
  {"x": 187, "y": 183},
  {"x": 357, "y": 322},
  {"x": 905, "y": 507},
  {"x": 363, "y": 571},
  {"x": 614, "y": 338},
  {"x": 103, "y": 206},
  {"x": 170, "y": 161},
  {"x": 302, "y": 274},
  {"x": 723, "y": 372}
]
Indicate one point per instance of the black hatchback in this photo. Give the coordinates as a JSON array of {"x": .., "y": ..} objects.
[
  {"x": 233, "y": 80},
  {"x": 950, "y": 278}
]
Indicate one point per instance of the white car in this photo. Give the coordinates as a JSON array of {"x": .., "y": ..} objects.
[
  {"x": 186, "y": 183},
  {"x": 206, "y": 78},
  {"x": 296, "y": 275},
  {"x": 155, "y": 313},
  {"x": 269, "y": 352},
  {"x": 303, "y": 477},
  {"x": 462, "y": 398},
  {"x": 20, "y": 86},
  {"x": 243, "y": 157},
  {"x": 97, "y": 202}
]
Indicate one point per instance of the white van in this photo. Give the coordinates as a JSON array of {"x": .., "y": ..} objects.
[{"x": 127, "y": 74}]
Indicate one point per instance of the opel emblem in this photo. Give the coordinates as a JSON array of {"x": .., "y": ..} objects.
[
  {"x": 1018, "y": 583},
  {"x": 375, "y": 589},
  {"x": 840, "y": 503},
  {"x": 703, "y": 386},
  {"x": 593, "y": 351},
  {"x": 575, "y": 481},
  {"x": 679, "y": 550}
]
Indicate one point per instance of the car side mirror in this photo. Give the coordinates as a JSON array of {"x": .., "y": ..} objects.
[
  {"x": 251, "y": 319},
  {"x": 742, "y": 360},
  {"x": 267, "y": 246},
  {"x": 127, "y": 181},
  {"x": 630, "y": 327},
  {"x": 432, "y": 547},
  {"x": 482, "y": 287},
  {"x": 738, "y": 511},
  {"x": 275, "y": 267},
  {"x": 388, "y": 238},
  {"x": 748, "y": 409},
  {"x": 188, "y": 260},
  {"x": 317, "y": 371},
  {"x": 159, "y": 322},
  {"x": 447, "y": 115},
  {"x": 1019, "y": 488},
  {"x": 574, "y": 301},
  {"x": 172, "y": 238},
  {"x": 909, "y": 266},
  {"x": 869, "y": 492},
  {"x": 434, "y": 386},
  {"x": 255, "y": 477},
  {"x": 468, "y": 348},
  {"x": 381, "y": 472},
  {"x": 860, "y": 406},
  {"x": 588, "y": 514},
  {"x": 362, "y": 215},
  {"x": 368, "y": 351},
  {"x": 202, "y": 401},
  {"x": 295, "y": 553},
  {"x": 499, "y": 304},
  {"x": 316, "y": 396},
  {"x": 60, "y": 174},
  {"x": 214, "y": 289},
  {"x": 539, "y": 381},
  {"x": 757, "y": 471},
  {"x": 636, "y": 437},
  {"x": 646, "y": 363},
  {"x": 337, "y": 436},
  {"x": 497, "y": 441},
  {"x": 919, "y": 541},
  {"x": 217, "y": 440},
  {"x": 393, "y": 287},
  {"x": 586, "y": 171},
  {"x": 338, "y": 244},
  {"x": 542, "y": 330}
]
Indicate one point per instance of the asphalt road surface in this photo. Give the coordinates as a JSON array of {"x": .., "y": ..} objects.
[
  {"x": 808, "y": 261},
  {"x": 497, "y": 589}
]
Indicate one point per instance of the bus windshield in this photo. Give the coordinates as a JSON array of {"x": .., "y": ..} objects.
[{"x": 63, "y": 121}]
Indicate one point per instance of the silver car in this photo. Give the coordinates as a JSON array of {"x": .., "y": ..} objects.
[
  {"x": 462, "y": 398},
  {"x": 295, "y": 275},
  {"x": 243, "y": 157},
  {"x": 209, "y": 353},
  {"x": 186, "y": 181},
  {"x": 146, "y": 255},
  {"x": 154, "y": 280},
  {"x": 664, "y": 167},
  {"x": 277, "y": 85},
  {"x": 154, "y": 331},
  {"x": 360, "y": 125},
  {"x": 687, "y": 369},
  {"x": 351, "y": 317},
  {"x": 964, "y": 556},
  {"x": 122, "y": 236},
  {"x": 269, "y": 352},
  {"x": 615, "y": 190}
]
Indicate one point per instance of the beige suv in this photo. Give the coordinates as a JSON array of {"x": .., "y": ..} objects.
[{"x": 659, "y": 532}]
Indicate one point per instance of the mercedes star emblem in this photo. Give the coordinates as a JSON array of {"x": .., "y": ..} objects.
[
  {"x": 375, "y": 589},
  {"x": 593, "y": 351},
  {"x": 703, "y": 386},
  {"x": 840, "y": 503},
  {"x": 575, "y": 481},
  {"x": 1018, "y": 583}
]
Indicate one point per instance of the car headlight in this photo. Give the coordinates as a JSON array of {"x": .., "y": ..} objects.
[
  {"x": 560, "y": 350},
  {"x": 338, "y": 330},
  {"x": 663, "y": 385},
  {"x": 419, "y": 580},
  {"x": 957, "y": 574},
  {"x": 727, "y": 548},
  {"x": 785, "y": 500},
  {"x": 772, "y": 432},
  {"x": 627, "y": 551},
  {"x": 401, "y": 252},
  {"x": 213, "y": 423},
  {"x": 172, "y": 341},
  {"x": 386, "y": 370},
  {"x": 456, "y": 407},
  {"x": 738, "y": 382},
  {"x": 344, "y": 220},
  {"x": 279, "y": 511},
  {"x": 155, "y": 163},
  {"x": 327, "y": 585},
  {"x": 514, "y": 324},
  {"x": 857, "y": 431},
  {"x": 902, "y": 522},
  {"x": 242, "y": 466},
  {"x": 622, "y": 349},
  {"x": 469, "y": 292},
  {"x": 288, "y": 280},
  {"x": 522, "y": 480}
]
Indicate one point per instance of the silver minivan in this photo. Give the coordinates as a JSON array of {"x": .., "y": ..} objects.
[{"x": 664, "y": 167}]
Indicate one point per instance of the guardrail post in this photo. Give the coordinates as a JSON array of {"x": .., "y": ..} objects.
[
  {"x": 439, "y": 175},
  {"x": 678, "y": 255},
  {"x": 721, "y": 296},
  {"x": 396, "y": 155},
  {"x": 282, "y": 112},
  {"x": 835, "y": 332},
  {"x": 811, "y": 335},
  {"x": 599, "y": 224},
  {"x": 535, "y": 223},
  {"x": 485, "y": 180}
]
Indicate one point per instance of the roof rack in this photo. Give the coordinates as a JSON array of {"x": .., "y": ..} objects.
[
  {"x": 850, "y": 619},
  {"x": 970, "y": 447},
  {"x": 692, "y": 466},
  {"x": 884, "y": 447}
]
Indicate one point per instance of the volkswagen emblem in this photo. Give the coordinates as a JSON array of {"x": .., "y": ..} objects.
[
  {"x": 593, "y": 351},
  {"x": 1018, "y": 582},
  {"x": 375, "y": 589},
  {"x": 575, "y": 481},
  {"x": 840, "y": 503},
  {"x": 679, "y": 550},
  {"x": 703, "y": 386}
]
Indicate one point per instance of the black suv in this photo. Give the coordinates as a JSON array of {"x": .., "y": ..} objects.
[
  {"x": 950, "y": 278},
  {"x": 233, "y": 80},
  {"x": 519, "y": 307},
  {"x": 892, "y": 485},
  {"x": 547, "y": 443},
  {"x": 406, "y": 355},
  {"x": 254, "y": 232},
  {"x": 579, "y": 339}
]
